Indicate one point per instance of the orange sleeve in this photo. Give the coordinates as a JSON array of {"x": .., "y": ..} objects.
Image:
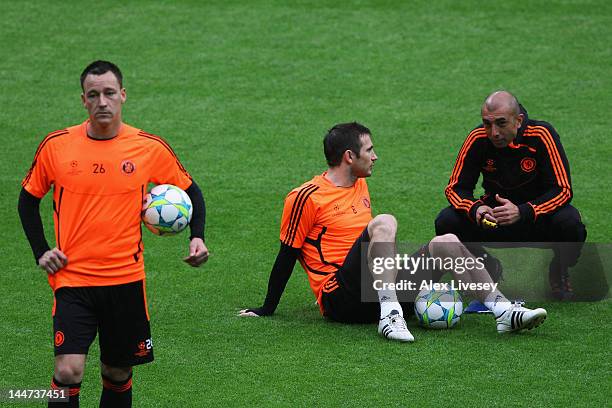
[
  {"x": 299, "y": 216},
  {"x": 167, "y": 168},
  {"x": 40, "y": 177}
]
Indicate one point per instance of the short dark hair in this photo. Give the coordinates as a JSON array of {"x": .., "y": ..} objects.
[
  {"x": 343, "y": 137},
  {"x": 100, "y": 67}
]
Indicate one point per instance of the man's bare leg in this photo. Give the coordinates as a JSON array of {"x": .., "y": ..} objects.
[
  {"x": 510, "y": 317},
  {"x": 382, "y": 230}
]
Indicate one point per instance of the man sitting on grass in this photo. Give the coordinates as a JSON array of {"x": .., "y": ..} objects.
[{"x": 327, "y": 222}]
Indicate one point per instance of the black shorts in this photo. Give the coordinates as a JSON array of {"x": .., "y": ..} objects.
[
  {"x": 342, "y": 295},
  {"x": 117, "y": 313}
]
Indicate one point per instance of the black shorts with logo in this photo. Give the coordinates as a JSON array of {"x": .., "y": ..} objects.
[
  {"x": 342, "y": 295},
  {"x": 118, "y": 314}
]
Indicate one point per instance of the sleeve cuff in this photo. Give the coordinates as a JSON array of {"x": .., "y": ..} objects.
[
  {"x": 473, "y": 208},
  {"x": 39, "y": 251},
  {"x": 527, "y": 212}
]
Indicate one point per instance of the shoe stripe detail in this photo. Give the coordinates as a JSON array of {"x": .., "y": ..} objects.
[{"x": 515, "y": 320}]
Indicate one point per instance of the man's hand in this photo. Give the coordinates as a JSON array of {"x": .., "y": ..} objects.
[
  {"x": 53, "y": 260},
  {"x": 507, "y": 213},
  {"x": 484, "y": 212},
  {"x": 253, "y": 312},
  {"x": 198, "y": 253}
]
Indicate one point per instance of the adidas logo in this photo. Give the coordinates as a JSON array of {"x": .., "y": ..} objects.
[
  {"x": 386, "y": 330},
  {"x": 516, "y": 319}
]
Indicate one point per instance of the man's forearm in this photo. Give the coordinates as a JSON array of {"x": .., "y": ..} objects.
[
  {"x": 279, "y": 276},
  {"x": 549, "y": 202},
  {"x": 29, "y": 213},
  {"x": 198, "y": 218}
]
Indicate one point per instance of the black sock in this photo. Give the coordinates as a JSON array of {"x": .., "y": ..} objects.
[
  {"x": 116, "y": 394},
  {"x": 72, "y": 391}
]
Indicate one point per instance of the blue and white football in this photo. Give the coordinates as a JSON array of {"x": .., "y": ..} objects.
[
  {"x": 166, "y": 210},
  {"x": 438, "y": 309}
]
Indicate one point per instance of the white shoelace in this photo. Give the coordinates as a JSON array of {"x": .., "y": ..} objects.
[{"x": 399, "y": 323}]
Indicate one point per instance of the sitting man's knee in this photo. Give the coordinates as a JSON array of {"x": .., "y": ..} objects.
[
  {"x": 568, "y": 223},
  {"x": 443, "y": 245},
  {"x": 445, "y": 238},
  {"x": 575, "y": 231},
  {"x": 448, "y": 220},
  {"x": 383, "y": 225}
]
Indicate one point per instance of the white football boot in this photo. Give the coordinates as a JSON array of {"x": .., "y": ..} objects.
[
  {"x": 393, "y": 327},
  {"x": 517, "y": 318}
]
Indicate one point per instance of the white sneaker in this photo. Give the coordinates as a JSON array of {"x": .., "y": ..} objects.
[
  {"x": 517, "y": 318},
  {"x": 393, "y": 327}
]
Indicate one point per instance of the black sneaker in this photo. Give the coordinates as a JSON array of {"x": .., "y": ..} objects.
[{"x": 560, "y": 285}]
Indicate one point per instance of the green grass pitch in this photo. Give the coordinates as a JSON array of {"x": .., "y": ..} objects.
[{"x": 244, "y": 92}]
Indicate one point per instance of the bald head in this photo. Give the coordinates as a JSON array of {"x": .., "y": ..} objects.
[
  {"x": 502, "y": 100},
  {"x": 501, "y": 118}
]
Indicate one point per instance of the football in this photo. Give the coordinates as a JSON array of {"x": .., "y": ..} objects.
[
  {"x": 166, "y": 210},
  {"x": 438, "y": 309}
]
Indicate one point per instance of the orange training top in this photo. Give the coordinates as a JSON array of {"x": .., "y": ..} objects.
[
  {"x": 324, "y": 221},
  {"x": 98, "y": 190}
]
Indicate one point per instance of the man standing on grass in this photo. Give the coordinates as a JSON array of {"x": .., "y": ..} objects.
[
  {"x": 99, "y": 171},
  {"x": 326, "y": 224},
  {"x": 526, "y": 178}
]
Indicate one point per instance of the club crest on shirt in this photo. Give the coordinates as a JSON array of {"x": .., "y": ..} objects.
[
  {"x": 128, "y": 167},
  {"x": 528, "y": 164},
  {"x": 59, "y": 338},
  {"x": 144, "y": 348}
]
